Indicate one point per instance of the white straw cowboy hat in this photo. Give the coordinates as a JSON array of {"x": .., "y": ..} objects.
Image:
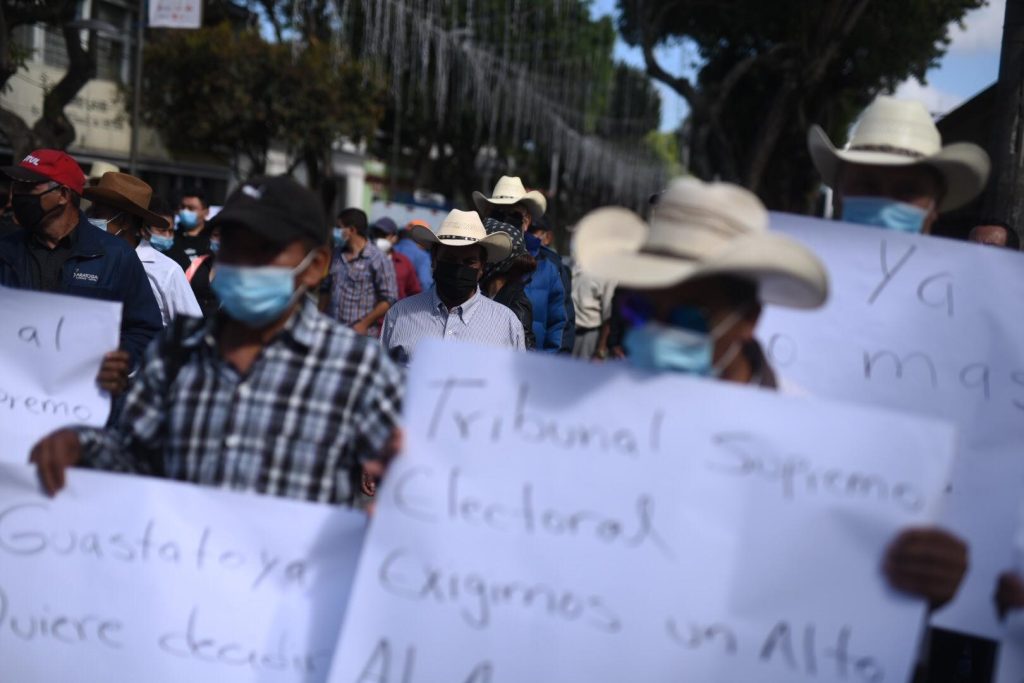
[
  {"x": 509, "y": 191},
  {"x": 461, "y": 229},
  {"x": 700, "y": 230},
  {"x": 894, "y": 132}
]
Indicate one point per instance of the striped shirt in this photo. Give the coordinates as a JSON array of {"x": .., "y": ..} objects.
[
  {"x": 424, "y": 316},
  {"x": 318, "y": 400},
  {"x": 360, "y": 284}
]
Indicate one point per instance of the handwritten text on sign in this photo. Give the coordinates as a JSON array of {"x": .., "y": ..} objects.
[
  {"x": 51, "y": 348},
  {"x": 931, "y": 326},
  {"x": 557, "y": 521},
  {"x": 125, "y": 578}
]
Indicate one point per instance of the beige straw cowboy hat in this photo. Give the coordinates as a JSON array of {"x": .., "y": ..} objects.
[
  {"x": 700, "y": 230},
  {"x": 509, "y": 191},
  {"x": 127, "y": 193},
  {"x": 461, "y": 229},
  {"x": 894, "y": 132}
]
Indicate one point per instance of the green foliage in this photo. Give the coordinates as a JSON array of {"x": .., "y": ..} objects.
[
  {"x": 770, "y": 69},
  {"x": 222, "y": 91}
]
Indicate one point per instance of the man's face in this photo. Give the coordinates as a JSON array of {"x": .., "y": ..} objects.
[
  {"x": 193, "y": 204},
  {"x": 915, "y": 185},
  {"x": 346, "y": 232},
  {"x": 117, "y": 219},
  {"x": 992, "y": 235},
  {"x": 707, "y": 296},
  {"x": 470, "y": 257},
  {"x": 52, "y": 198},
  {"x": 513, "y": 215},
  {"x": 242, "y": 247},
  {"x": 545, "y": 236},
  {"x": 161, "y": 231},
  {"x": 380, "y": 234}
]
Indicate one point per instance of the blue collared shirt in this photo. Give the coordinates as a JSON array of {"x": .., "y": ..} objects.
[{"x": 424, "y": 316}]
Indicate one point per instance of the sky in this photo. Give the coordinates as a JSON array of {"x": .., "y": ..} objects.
[{"x": 970, "y": 64}]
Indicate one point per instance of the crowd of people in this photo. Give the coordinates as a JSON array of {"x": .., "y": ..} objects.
[{"x": 263, "y": 349}]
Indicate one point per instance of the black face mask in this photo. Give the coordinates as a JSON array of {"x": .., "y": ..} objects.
[
  {"x": 28, "y": 208},
  {"x": 455, "y": 282}
]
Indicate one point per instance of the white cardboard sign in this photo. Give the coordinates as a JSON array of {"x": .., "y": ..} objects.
[
  {"x": 51, "y": 348},
  {"x": 931, "y": 326},
  {"x": 123, "y": 578},
  {"x": 559, "y": 521}
]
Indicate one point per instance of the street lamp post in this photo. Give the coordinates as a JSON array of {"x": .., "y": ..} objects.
[{"x": 140, "y": 36}]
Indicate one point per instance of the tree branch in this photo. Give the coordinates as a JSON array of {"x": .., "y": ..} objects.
[{"x": 54, "y": 128}]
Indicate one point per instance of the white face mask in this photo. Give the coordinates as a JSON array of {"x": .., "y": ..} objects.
[{"x": 383, "y": 244}]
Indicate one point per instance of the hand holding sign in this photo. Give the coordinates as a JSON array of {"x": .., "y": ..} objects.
[{"x": 51, "y": 349}]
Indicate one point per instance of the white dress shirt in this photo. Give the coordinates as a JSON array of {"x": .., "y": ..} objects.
[{"x": 173, "y": 293}]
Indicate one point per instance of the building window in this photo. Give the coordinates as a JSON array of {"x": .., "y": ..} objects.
[
  {"x": 55, "y": 52},
  {"x": 112, "y": 51}
]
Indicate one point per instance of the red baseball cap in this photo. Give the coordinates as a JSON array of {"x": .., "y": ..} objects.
[{"x": 42, "y": 165}]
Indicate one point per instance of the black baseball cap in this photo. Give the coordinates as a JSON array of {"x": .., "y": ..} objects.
[{"x": 277, "y": 208}]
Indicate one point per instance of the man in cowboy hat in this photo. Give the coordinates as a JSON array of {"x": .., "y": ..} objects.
[
  {"x": 454, "y": 307},
  {"x": 120, "y": 205},
  {"x": 269, "y": 396},
  {"x": 58, "y": 250},
  {"x": 549, "y": 297},
  {"x": 894, "y": 172},
  {"x": 696, "y": 280}
]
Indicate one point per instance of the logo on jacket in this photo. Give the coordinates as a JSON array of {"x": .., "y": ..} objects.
[{"x": 88, "y": 277}]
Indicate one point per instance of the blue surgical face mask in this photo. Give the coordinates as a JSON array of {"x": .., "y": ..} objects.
[
  {"x": 339, "y": 237},
  {"x": 188, "y": 219},
  {"x": 102, "y": 223},
  {"x": 686, "y": 347},
  {"x": 214, "y": 246},
  {"x": 655, "y": 346},
  {"x": 257, "y": 295},
  {"x": 161, "y": 243},
  {"x": 884, "y": 213}
]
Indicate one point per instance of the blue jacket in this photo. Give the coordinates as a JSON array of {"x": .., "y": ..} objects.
[
  {"x": 547, "y": 297},
  {"x": 420, "y": 260},
  {"x": 101, "y": 266},
  {"x": 569, "y": 335}
]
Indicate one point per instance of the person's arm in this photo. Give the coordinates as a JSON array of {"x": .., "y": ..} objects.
[
  {"x": 569, "y": 332},
  {"x": 607, "y": 296},
  {"x": 385, "y": 286},
  {"x": 556, "y": 312},
  {"x": 180, "y": 296}
]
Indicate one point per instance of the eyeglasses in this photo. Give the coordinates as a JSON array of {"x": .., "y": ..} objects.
[{"x": 637, "y": 310}]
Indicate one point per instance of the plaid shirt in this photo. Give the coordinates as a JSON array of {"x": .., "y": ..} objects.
[
  {"x": 317, "y": 400},
  {"x": 360, "y": 284}
]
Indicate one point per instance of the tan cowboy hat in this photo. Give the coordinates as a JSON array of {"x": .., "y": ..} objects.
[
  {"x": 700, "y": 230},
  {"x": 509, "y": 191},
  {"x": 894, "y": 132},
  {"x": 127, "y": 193},
  {"x": 461, "y": 229}
]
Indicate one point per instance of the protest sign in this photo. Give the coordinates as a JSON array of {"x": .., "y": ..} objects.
[
  {"x": 175, "y": 13},
  {"x": 553, "y": 520},
  {"x": 931, "y": 326},
  {"x": 51, "y": 348},
  {"x": 123, "y": 578}
]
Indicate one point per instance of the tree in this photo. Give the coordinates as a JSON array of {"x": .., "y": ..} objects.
[
  {"x": 227, "y": 91},
  {"x": 53, "y": 129},
  {"x": 768, "y": 70}
]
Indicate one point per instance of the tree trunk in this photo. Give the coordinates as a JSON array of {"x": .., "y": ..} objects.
[{"x": 1006, "y": 198}]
